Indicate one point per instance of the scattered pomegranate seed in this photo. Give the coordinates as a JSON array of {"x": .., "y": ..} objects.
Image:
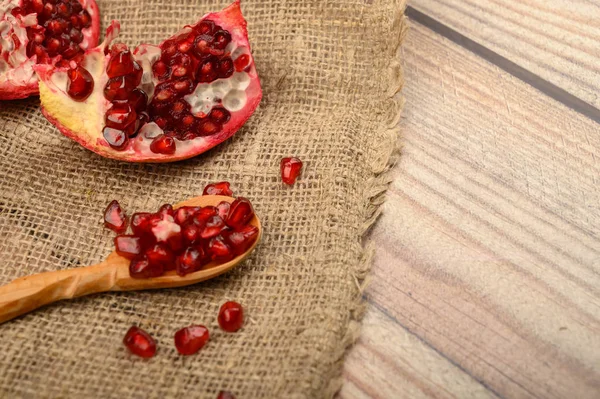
[
  {"x": 114, "y": 217},
  {"x": 190, "y": 340},
  {"x": 225, "y": 395},
  {"x": 213, "y": 226},
  {"x": 223, "y": 209},
  {"x": 128, "y": 246},
  {"x": 140, "y": 343},
  {"x": 160, "y": 255},
  {"x": 221, "y": 188},
  {"x": 80, "y": 83},
  {"x": 190, "y": 260},
  {"x": 290, "y": 170},
  {"x": 240, "y": 213},
  {"x": 140, "y": 267},
  {"x": 219, "y": 250},
  {"x": 241, "y": 240},
  {"x": 231, "y": 316}
]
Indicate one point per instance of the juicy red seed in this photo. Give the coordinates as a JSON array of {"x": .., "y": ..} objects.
[
  {"x": 163, "y": 145},
  {"x": 140, "y": 343},
  {"x": 240, "y": 213},
  {"x": 63, "y": 10},
  {"x": 223, "y": 209},
  {"x": 71, "y": 51},
  {"x": 213, "y": 226},
  {"x": 188, "y": 136},
  {"x": 164, "y": 95},
  {"x": 183, "y": 214},
  {"x": 138, "y": 100},
  {"x": 119, "y": 116},
  {"x": 118, "y": 88},
  {"x": 161, "y": 255},
  {"x": 75, "y": 35},
  {"x": 205, "y": 213},
  {"x": 116, "y": 138},
  {"x": 84, "y": 19},
  {"x": 140, "y": 223},
  {"x": 166, "y": 210},
  {"x": 208, "y": 128},
  {"x": 207, "y": 70},
  {"x": 191, "y": 260},
  {"x": 219, "y": 250},
  {"x": 38, "y": 6},
  {"x": 190, "y": 233},
  {"x": 47, "y": 11},
  {"x": 221, "y": 188},
  {"x": 55, "y": 26},
  {"x": 241, "y": 62},
  {"x": 225, "y": 395},
  {"x": 241, "y": 240},
  {"x": 120, "y": 64},
  {"x": 225, "y": 68},
  {"x": 114, "y": 217},
  {"x": 75, "y": 22},
  {"x": 181, "y": 60},
  {"x": 140, "y": 267},
  {"x": 128, "y": 246},
  {"x": 231, "y": 316},
  {"x": 169, "y": 49},
  {"x": 183, "y": 86},
  {"x": 76, "y": 7},
  {"x": 290, "y": 170},
  {"x": 161, "y": 70},
  {"x": 80, "y": 83},
  {"x": 190, "y": 340},
  {"x": 118, "y": 48},
  {"x": 222, "y": 39},
  {"x": 187, "y": 122},
  {"x": 206, "y": 27},
  {"x": 219, "y": 115},
  {"x": 161, "y": 122},
  {"x": 16, "y": 11}
]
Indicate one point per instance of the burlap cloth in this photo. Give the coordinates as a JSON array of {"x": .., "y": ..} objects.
[{"x": 329, "y": 71}]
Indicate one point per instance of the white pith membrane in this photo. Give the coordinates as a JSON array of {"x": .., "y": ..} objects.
[
  {"x": 16, "y": 68},
  {"x": 84, "y": 121}
]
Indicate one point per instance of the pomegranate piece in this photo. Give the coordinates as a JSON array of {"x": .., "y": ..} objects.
[
  {"x": 219, "y": 250},
  {"x": 114, "y": 217},
  {"x": 140, "y": 223},
  {"x": 161, "y": 256},
  {"x": 42, "y": 32},
  {"x": 140, "y": 267},
  {"x": 241, "y": 240},
  {"x": 128, "y": 246},
  {"x": 221, "y": 188},
  {"x": 184, "y": 214},
  {"x": 213, "y": 226},
  {"x": 191, "y": 260},
  {"x": 231, "y": 316},
  {"x": 290, "y": 170},
  {"x": 139, "y": 342},
  {"x": 190, "y": 233},
  {"x": 223, "y": 209},
  {"x": 225, "y": 395},
  {"x": 192, "y": 97},
  {"x": 190, "y": 340},
  {"x": 80, "y": 83},
  {"x": 240, "y": 213},
  {"x": 204, "y": 214},
  {"x": 120, "y": 116}
]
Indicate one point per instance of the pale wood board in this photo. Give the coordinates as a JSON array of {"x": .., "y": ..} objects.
[
  {"x": 559, "y": 40},
  {"x": 486, "y": 280}
]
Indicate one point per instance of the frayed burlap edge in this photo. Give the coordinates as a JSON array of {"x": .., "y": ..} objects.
[{"x": 374, "y": 195}]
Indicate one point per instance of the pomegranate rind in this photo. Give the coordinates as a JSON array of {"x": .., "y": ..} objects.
[
  {"x": 83, "y": 121},
  {"x": 22, "y": 82}
]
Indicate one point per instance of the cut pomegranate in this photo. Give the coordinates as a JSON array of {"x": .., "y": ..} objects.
[
  {"x": 80, "y": 83},
  {"x": 231, "y": 316},
  {"x": 221, "y": 188},
  {"x": 190, "y": 340},
  {"x": 185, "y": 240},
  {"x": 290, "y": 170},
  {"x": 140, "y": 343},
  {"x": 181, "y": 98},
  {"x": 114, "y": 217},
  {"x": 43, "y": 32}
]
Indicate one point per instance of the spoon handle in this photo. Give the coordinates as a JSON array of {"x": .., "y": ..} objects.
[{"x": 31, "y": 292}]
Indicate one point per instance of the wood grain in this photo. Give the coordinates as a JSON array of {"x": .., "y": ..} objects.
[
  {"x": 486, "y": 281},
  {"x": 559, "y": 40}
]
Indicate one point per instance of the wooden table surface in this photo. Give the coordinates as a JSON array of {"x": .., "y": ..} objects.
[{"x": 486, "y": 280}]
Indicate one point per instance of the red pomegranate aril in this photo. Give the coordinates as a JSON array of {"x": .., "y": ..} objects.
[
  {"x": 231, "y": 316},
  {"x": 140, "y": 343},
  {"x": 75, "y": 22},
  {"x": 128, "y": 246},
  {"x": 161, "y": 255},
  {"x": 76, "y": 7},
  {"x": 71, "y": 51},
  {"x": 163, "y": 145},
  {"x": 207, "y": 70},
  {"x": 225, "y": 68},
  {"x": 120, "y": 64},
  {"x": 118, "y": 88},
  {"x": 164, "y": 95},
  {"x": 208, "y": 128},
  {"x": 120, "y": 116},
  {"x": 140, "y": 267},
  {"x": 222, "y": 39},
  {"x": 190, "y": 340},
  {"x": 240, "y": 213},
  {"x": 63, "y": 10},
  {"x": 225, "y": 395},
  {"x": 138, "y": 100},
  {"x": 290, "y": 170},
  {"x": 191, "y": 260},
  {"x": 80, "y": 83},
  {"x": 213, "y": 226},
  {"x": 223, "y": 209},
  {"x": 241, "y": 62},
  {"x": 219, "y": 115},
  {"x": 84, "y": 19},
  {"x": 203, "y": 214},
  {"x": 161, "y": 70},
  {"x": 206, "y": 27},
  {"x": 166, "y": 210},
  {"x": 219, "y": 250},
  {"x": 169, "y": 49},
  {"x": 184, "y": 213},
  {"x": 116, "y": 138},
  {"x": 47, "y": 11},
  {"x": 161, "y": 122},
  {"x": 114, "y": 217},
  {"x": 140, "y": 223},
  {"x": 187, "y": 123},
  {"x": 220, "y": 188},
  {"x": 188, "y": 136},
  {"x": 190, "y": 233},
  {"x": 54, "y": 26},
  {"x": 241, "y": 240},
  {"x": 183, "y": 86},
  {"x": 116, "y": 49}
]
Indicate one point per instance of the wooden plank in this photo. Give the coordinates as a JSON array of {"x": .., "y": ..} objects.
[
  {"x": 559, "y": 40},
  {"x": 489, "y": 247}
]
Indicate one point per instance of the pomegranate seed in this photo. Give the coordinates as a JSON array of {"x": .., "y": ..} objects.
[
  {"x": 75, "y": 22},
  {"x": 290, "y": 170},
  {"x": 84, "y": 19},
  {"x": 80, "y": 83},
  {"x": 16, "y": 11},
  {"x": 225, "y": 68},
  {"x": 220, "y": 188},
  {"x": 208, "y": 128},
  {"x": 76, "y": 7},
  {"x": 240, "y": 213},
  {"x": 138, "y": 100},
  {"x": 116, "y": 138},
  {"x": 222, "y": 39},
  {"x": 75, "y": 35},
  {"x": 183, "y": 86},
  {"x": 118, "y": 88},
  {"x": 54, "y": 26},
  {"x": 212, "y": 227},
  {"x": 140, "y": 223},
  {"x": 205, "y": 213},
  {"x": 163, "y": 145},
  {"x": 119, "y": 116},
  {"x": 207, "y": 70},
  {"x": 47, "y": 11},
  {"x": 219, "y": 250},
  {"x": 164, "y": 95},
  {"x": 241, "y": 62},
  {"x": 38, "y": 6},
  {"x": 128, "y": 246},
  {"x": 161, "y": 122},
  {"x": 190, "y": 233},
  {"x": 137, "y": 73},
  {"x": 190, "y": 261},
  {"x": 241, "y": 240},
  {"x": 140, "y": 267},
  {"x": 223, "y": 209},
  {"x": 140, "y": 343},
  {"x": 231, "y": 316},
  {"x": 161, "y": 70},
  {"x": 169, "y": 49},
  {"x": 225, "y": 395},
  {"x": 219, "y": 115},
  {"x": 206, "y": 27},
  {"x": 72, "y": 50},
  {"x": 184, "y": 213},
  {"x": 120, "y": 64},
  {"x": 190, "y": 340},
  {"x": 187, "y": 122},
  {"x": 159, "y": 255},
  {"x": 114, "y": 217},
  {"x": 63, "y": 10}
]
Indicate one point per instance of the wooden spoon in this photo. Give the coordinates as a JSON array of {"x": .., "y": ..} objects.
[{"x": 31, "y": 292}]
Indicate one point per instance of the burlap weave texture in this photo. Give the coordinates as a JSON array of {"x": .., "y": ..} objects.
[{"x": 329, "y": 71}]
